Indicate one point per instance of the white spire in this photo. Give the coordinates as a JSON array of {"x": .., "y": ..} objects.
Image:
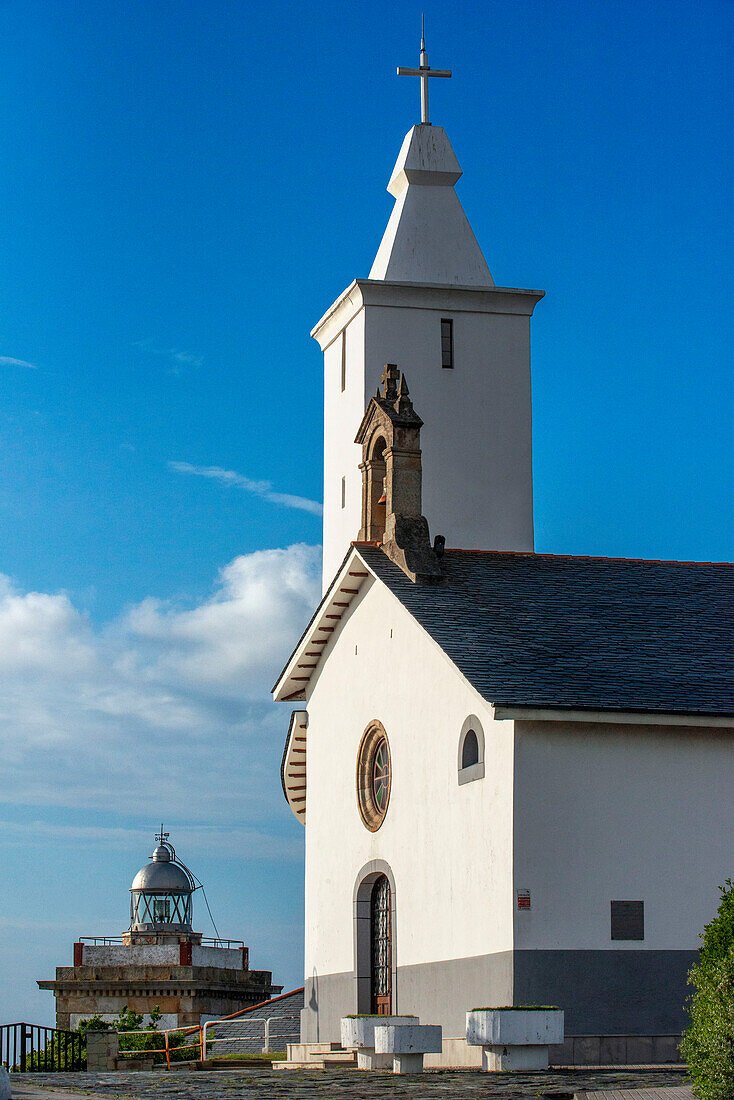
[{"x": 428, "y": 238}]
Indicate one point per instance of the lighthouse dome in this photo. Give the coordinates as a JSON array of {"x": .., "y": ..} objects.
[
  {"x": 160, "y": 895},
  {"x": 168, "y": 878}
]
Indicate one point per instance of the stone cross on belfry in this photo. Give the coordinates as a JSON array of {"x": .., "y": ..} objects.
[
  {"x": 389, "y": 380},
  {"x": 423, "y": 72}
]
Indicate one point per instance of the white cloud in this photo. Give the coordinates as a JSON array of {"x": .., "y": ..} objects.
[
  {"x": 8, "y": 361},
  {"x": 164, "y": 710},
  {"x": 176, "y": 356},
  {"x": 238, "y": 481}
]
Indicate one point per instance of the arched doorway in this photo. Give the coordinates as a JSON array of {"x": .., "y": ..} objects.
[
  {"x": 375, "y": 937},
  {"x": 381, "y": 947}
]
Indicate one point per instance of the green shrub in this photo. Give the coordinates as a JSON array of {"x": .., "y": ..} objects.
[
  {"x": 129, "y": 1021},
  {"x": 708, "y": 1044}
]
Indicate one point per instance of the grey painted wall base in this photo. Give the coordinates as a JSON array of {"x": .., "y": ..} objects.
[
  {"x": 610, "y": 994},
  {"x": 443, "y": 992},
  {"x": 616, "y": 1050},
  {"x": 326, "y": 998}
]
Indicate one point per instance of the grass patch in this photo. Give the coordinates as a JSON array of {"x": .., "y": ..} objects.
[{"x": 254, "y": 1056}]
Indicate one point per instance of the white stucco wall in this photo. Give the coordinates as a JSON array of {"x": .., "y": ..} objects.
[
  {"x": 603, "y": 812},
  {"x": 343, "y": 412},
  {"x": 477, "y": 417},
  {"x": 448, "y": 846}
]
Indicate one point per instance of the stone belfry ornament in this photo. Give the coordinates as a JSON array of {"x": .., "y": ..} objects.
[{"x": 391, "y": 480}]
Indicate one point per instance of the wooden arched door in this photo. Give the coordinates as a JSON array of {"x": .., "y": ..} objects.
[{"x": 381, "y": 947}]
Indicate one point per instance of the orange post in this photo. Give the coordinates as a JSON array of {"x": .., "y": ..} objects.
[
  {"x": 201, "y": 1044},
  {"x": 168, "y": 1053}
]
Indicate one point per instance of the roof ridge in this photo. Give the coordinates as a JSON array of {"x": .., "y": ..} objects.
[{"x": 575, "y": 557}]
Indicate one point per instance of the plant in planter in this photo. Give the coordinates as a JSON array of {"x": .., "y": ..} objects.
[{"x": 514, "y": 1037}]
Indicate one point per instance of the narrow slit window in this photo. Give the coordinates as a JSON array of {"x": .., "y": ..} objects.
[
  {"x": 344, "y": 492},
  {"x": 344, "y": 360},
  {"x": 447, "y": 344}
]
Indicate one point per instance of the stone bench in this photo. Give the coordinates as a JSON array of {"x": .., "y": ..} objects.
[{"x": 406, "y": 1044}]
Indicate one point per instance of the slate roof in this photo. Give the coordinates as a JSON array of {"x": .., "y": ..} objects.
[
  {"x": 537, "y": 630},
  {"x": 243, "y": 1032}
]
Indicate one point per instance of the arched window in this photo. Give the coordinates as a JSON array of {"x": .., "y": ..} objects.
[
  {"x": 376, "y": 472},
  {"x": 471, "y": 750}
]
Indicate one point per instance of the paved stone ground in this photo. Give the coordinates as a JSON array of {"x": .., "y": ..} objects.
[
  {"x": 677, "y": 1093},
  {"x": 265, "y": 1084}
]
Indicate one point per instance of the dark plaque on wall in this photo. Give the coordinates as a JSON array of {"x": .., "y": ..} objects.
[{"x": 628, "y": 920}]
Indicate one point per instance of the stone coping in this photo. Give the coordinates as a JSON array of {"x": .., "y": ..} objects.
[{"x": 261, "y": 1083}]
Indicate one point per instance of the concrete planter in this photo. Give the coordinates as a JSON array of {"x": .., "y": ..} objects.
[
  {"x": 358, "y": 1033},
  {"x": 407, "y": 1043},
  {"x": 514, "y": 1038}
]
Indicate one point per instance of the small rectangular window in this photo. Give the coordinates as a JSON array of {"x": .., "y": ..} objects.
[
  {"x": 344, "y": 360},
  {"x": 447, "y": 344},
  {"x": 344, "y": 492},
  {"x": 628, "y": 920}
]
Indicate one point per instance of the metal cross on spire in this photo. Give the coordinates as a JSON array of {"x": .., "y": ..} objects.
[{"x": 424, "y": 71}]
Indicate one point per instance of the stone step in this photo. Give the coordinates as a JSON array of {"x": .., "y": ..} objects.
[
  {"x": 327, "y": 1060},
  {"x": 299, "y": 1052}
]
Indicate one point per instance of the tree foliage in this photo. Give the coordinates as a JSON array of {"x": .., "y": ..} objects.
[{"x": 708, "y": 1044}]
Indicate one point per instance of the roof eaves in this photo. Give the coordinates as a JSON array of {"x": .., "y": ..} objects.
[
  {"x": 604, "y": 713},
  {"x": 327, "y": 613}
]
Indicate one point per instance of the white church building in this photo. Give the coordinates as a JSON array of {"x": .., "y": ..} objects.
[{"x": 515, "y": 770}]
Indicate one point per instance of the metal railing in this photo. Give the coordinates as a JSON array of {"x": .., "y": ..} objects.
[
  {"x": 27, "y": 1048},
  {"x": 111, "y": 941},
  {"x": 201, "y": 1041},
  {"x": 167, "y": 1049},
  {"x": 246, "y": 1034}
]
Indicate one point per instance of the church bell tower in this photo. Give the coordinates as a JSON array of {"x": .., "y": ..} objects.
[{"x": 430, "y": 305}]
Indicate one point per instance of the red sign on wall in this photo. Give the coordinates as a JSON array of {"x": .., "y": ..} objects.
[{"x": 523, "y": 899}]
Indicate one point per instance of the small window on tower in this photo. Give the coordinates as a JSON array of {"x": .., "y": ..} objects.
[
  {"x": 447, "y": 344},
  {"x": 344, "y": 492}
]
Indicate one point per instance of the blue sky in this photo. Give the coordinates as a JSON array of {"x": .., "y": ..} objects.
[{"x": 185, "y": 189}]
